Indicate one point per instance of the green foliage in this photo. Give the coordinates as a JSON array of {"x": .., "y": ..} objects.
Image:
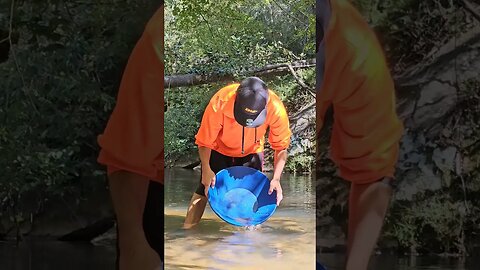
[
  {"x": 228, "y": 37},
  {"x": 300, "y": 163},
  {"x": 231, "y": 36},
  {"x": 432, "y": 223},
  {"x": 58, "y": 88},
  {"x": 182, "y": 119},
  {"x": 290, "y": 92}
]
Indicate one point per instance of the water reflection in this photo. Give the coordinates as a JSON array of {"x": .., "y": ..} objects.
[{"x": 40, "y": 254}]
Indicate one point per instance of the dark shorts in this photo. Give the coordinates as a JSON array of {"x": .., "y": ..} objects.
[
  {"x": 153, "y": 215},
  {"x": 219, "y": 162}
]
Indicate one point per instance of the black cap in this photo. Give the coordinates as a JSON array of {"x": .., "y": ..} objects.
[{"x": 250, "y": 108}]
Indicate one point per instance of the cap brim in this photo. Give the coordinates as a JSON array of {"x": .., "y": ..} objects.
[{"x": 248, "y": 120}]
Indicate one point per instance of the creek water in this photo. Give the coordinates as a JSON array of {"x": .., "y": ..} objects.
[{"x": 285, "y": 241}]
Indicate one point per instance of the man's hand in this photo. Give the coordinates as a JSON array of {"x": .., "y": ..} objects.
[
  {"x": 275, "y": 185},
  {"x": 208, "y": 179},
  {"x": 279, "y": 160}
]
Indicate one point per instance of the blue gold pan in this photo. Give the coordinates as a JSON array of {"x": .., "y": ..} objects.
[{"x": 240, "y": 196}]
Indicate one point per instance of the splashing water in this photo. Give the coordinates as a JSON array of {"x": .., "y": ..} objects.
[{"x": 253, "y": 227}]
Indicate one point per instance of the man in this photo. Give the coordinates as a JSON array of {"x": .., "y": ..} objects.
[
  {"x": 232, "y": 134},
  {"x": 132, "y": 149},
  {"x": 354, "y": 79}
]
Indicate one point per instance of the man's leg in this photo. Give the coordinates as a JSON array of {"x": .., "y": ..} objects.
[
  {"x": 129, "y": 193},
  {"x": 253, "y": 161},
  {"x": 196, "y": 208},
  {"x": 199, "y": 201},
  {"x": 367, "y": 208}
]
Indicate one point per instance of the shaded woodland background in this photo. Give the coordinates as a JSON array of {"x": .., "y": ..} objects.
[
  {"x": 432, "y": 50},
  {"x": 61, "y": 62}
]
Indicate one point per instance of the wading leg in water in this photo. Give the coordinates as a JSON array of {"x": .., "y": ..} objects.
[
  {"x": 199, "y": 199},
  {"x": 129, "y": 193},
  {"x": 368, "y": 205},
  {"x": 195, "y": 210}
]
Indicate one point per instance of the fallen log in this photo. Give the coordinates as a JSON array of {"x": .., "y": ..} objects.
[{"x": 180, "y": 80}]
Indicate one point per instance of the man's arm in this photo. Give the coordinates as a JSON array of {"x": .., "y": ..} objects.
[
  {"x": 137, "y": 120},
  {"x": 133, "y": 139},
  {"x": 204, "y": 154},
  {"x": 205, "y": 139},
  {"x": 365, "y": 145},
  {"x": 279, "y": 160},
  {"x": 279, "y": 138},
  {"x": 208, "y": 176}
]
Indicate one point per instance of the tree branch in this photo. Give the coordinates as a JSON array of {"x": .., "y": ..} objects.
[
  {"x": 14, "y": 55},
  {"x": 298, "y": 79},
  {"x": 302, "y": 110},
  {"x": 301, "y": 82},
  {"x": 67, "y": 8},
  {"x": 289, "y": 14},
  {"x": 180, "y": 80},
  {"x": 10, "y": 31},
  {"x": 208, "y": 25},
  {"x": 470, "y": 8},
  {"x": 422, "y": 72}
]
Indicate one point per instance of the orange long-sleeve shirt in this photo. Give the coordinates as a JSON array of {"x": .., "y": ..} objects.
[
  {"x": 358, "y": 84},
  {"x": 133, "y": 138},
  {"x": 220, "y": 131}
]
